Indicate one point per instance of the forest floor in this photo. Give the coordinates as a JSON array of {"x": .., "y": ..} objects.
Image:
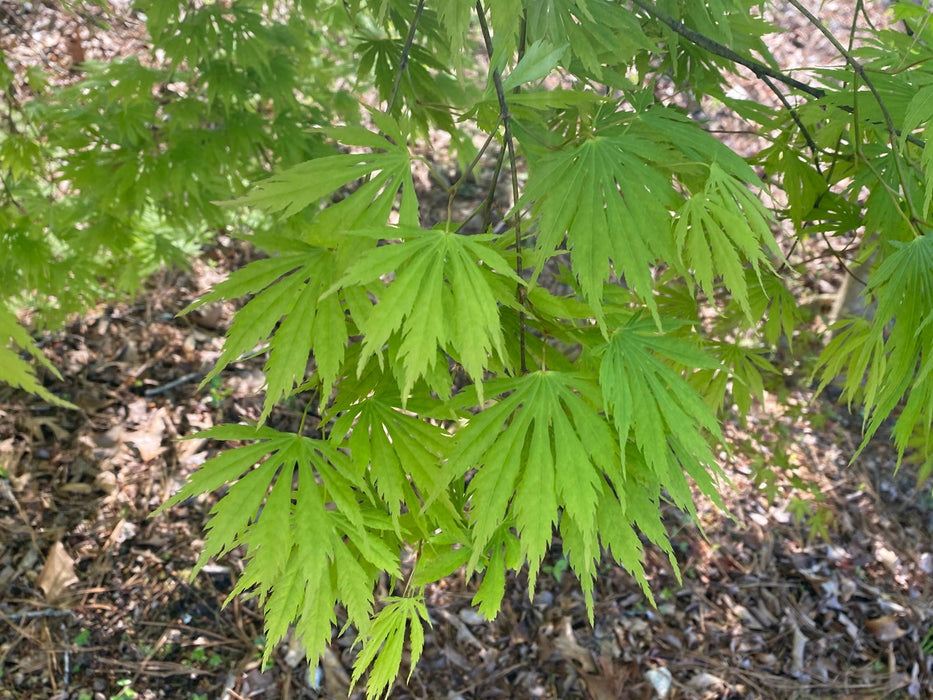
[{"x": 820, "y": 584}]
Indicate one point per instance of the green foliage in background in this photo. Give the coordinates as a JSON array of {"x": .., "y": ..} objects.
[{"x": 471, "y": 408}]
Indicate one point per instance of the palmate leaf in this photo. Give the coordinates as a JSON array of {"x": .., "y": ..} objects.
[
  {"x": 671, "y": 425},
  {"x": 441, "y": 297},
  {"x": 614, "y": 207},
  {"x": 296, "y": 188},
  {"x": 383, "y": 646},
  {"x": 888, "y": 358},
  {"x": 313, "y": 325},
  {"x": 540, "y": 448},
  {"x": 598, "y": 33},
  {"x": 721, "y": 228},
  {"x": 307, "y": 519},
  {"x": 288, "y": 307},
  {"x": 16, "y": 371},
  {"x": 739, "y": 374},
  {"x": 454, "y": 16},
  {"x": 401, "y": 456}
]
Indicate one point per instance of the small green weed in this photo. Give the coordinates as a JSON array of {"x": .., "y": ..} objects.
[{"x": 126, "y": 692}]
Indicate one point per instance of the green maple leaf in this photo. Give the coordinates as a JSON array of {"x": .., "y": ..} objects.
[
  {"x": 721, "y": 228},
  {"x": 667, "y": 418},
  {"x": 614, "y": 207},
  {"x": 314, "y": 534},
  {"x": 16, "y": 371},
  {"x": 388, "y": 172},
  {"x": 541, "y": 447},
  {"x": 441, "y": 297},
  {"x": 288, "y": 308},
  {"x": 401, "y": 454},
  {"x": 888, "y": 358},
  {"x": 382, "y": 648}
]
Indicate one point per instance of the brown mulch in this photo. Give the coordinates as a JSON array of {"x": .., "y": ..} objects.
[{"x": 819, "y": 585}]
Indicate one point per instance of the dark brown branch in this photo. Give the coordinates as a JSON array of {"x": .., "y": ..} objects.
[
  {"x": 513, "y": 167},
  {"x": 860, "y": 71},
  {"x": 760, "y": 70},
  {"x": 403, "y": 60}
]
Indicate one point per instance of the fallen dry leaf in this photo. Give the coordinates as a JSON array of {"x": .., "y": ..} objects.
[
  {"x": 569, "y": 648},
  {"x": 707, "y": 682},
  {"x": 885, "y": 628},
  {"x": 797, "y": 650},
  {"x": 58, "y": 573},
  {"x": 661, "y": 680},
  {"x": 148, "y": 439}
]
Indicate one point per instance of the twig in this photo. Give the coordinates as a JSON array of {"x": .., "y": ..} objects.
[
  {"x": 510, "y": 147},
  {"x": 760, "y": 69},
  {"x": 490, "y": 197},
  {"x": 791, "y": 110},
  {"x": 841, "y": 260},
  {"x": 190, "y": 377},
  {"x": 32, "y": 614},
  {"x": 455, "y": 187},
  {"x": 8, "y": 192},
  {"x": 861, "y": 73},
  {"x": 714, "y": 47},
  {"x": 403, "y": 60},
  {"x": 66, "y": 663},
  {"x": 193, "y": 376}
]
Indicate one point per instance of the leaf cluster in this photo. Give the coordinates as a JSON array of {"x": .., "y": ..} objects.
[{"x": 557, "y": 377}]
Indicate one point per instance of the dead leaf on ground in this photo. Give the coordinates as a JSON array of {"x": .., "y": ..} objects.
[
  {"x": 569, "y": 648},
  {"x": 797, "y": 650},
  {"x": 885, "y": 628},
  {"x": 661, "y": 679},
  {"x": 58, "y": 573},
  {"x": 148, "y": 439}
]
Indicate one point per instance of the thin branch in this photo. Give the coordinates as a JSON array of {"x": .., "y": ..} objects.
[
  {"x": 490, "y": 198},
  {"x": 760, "y": 69},
  {"x": 714, "y": 47},
  {"x": 190, "y": 377},
  {"x": 8, "y": 193},
  {"x": 520, "y": 292},
  {"x": 455, "y": 187},
  {"x": 403, "y": 60},
  {"x": 841, "y": 260},
  {"x": 480, "y": 209},
  {"x": 792, "y": 111},
  {"x": 860, "y": 71}
]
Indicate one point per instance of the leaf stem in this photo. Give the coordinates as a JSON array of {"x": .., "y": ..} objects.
[
  {"x": 792, "y": 111},
  {"x": 491, "y": 194}
]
